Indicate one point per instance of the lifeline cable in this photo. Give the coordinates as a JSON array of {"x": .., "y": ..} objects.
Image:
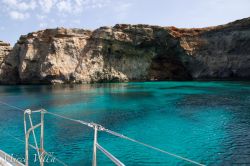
[{"x": 101, "y": 128}]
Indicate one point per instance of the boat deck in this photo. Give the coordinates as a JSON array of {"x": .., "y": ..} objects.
[{"x": 7, "y": 160}]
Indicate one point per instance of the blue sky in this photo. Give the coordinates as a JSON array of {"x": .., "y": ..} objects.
[{"x": 19, "y": 17}]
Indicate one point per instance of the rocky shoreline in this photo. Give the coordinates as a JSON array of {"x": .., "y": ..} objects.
[{"x": 128, "y": 53}]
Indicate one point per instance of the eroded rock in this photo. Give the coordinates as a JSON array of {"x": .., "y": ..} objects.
[
  {"x": 5, "y": 49},
  {"x": 129, "y": 53}
]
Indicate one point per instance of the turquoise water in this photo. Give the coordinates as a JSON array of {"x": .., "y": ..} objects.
[{"x": 208, "y": 122}]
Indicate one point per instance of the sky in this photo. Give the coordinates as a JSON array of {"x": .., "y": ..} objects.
[{"x": 19, "y": 17}]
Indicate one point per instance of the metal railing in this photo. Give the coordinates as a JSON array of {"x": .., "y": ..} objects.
[
  {"x": 96, "y": 146},
  {"x": 40, "y": 149}
]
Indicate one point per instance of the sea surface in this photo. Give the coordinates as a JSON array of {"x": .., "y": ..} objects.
[{"x": 208, "y": 122}]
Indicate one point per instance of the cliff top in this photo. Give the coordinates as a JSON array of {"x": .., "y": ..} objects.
[
  {"x": 176, "y": 32},
  {"x": 4, "y": 44},
  {"x": 239, "y": 24}
]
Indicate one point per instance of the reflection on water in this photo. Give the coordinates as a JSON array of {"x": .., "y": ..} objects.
[{"x": 205, "y": 121}]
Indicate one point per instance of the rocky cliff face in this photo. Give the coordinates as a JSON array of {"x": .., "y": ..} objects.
[
  {"x": 5, "y": 49},
  {"x": 218, "y": 52},
  {"x": 129, "y": 53}
]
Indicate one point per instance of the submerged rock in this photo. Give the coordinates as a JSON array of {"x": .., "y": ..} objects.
[{"x": 129, "y": 53}]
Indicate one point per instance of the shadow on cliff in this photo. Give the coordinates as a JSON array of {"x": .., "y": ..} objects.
[{"x": 162, "y": 55}]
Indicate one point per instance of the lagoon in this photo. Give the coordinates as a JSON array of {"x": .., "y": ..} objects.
[{"x": 208, "y": 122}]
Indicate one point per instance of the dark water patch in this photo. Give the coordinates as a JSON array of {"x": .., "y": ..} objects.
[
  {"x": 139, "y": 95},
  {"x": 177, "y": 87},
  {"x": 214, "y": 100}
]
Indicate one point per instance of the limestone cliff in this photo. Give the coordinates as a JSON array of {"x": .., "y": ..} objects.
[
  {"x": 5, "y": 49},
  {"x": 129, "y": 53},
  {"x": 218, "y": 52}
]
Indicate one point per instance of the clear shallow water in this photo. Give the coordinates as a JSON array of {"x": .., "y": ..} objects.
[{"x": 205, "y": 121}]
